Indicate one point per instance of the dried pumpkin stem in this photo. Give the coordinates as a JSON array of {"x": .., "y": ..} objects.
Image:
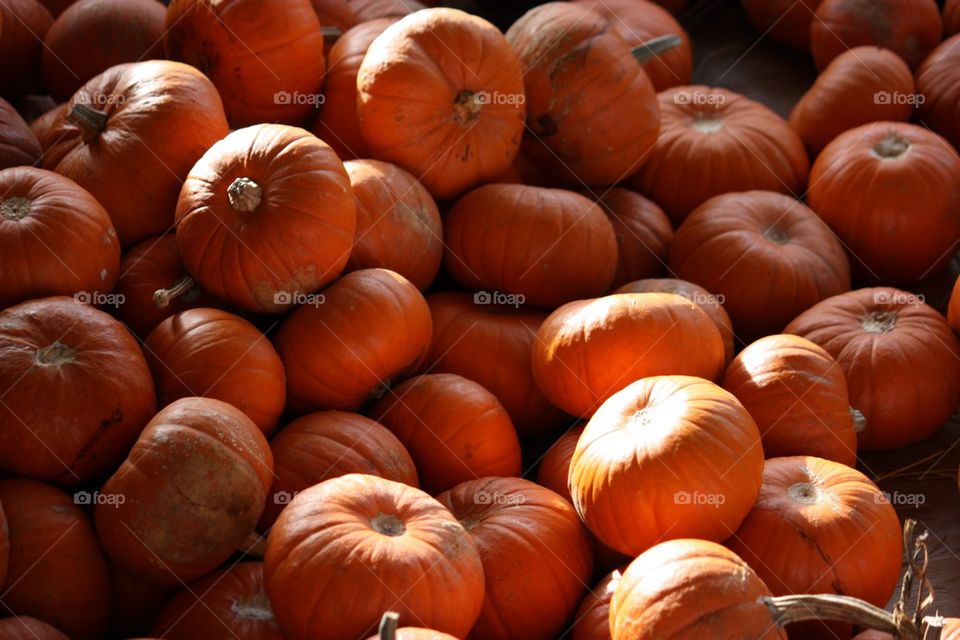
[
  {"x": 163, "y": 297},
  {"x": 799, "y": 608},
  {"x": 647, "y": 51},
  {"x": 388, "y": 625},
  {"x": 90, "y": 121},
  {"x": 330, "y": 34},
  {"x": 244, "y": 194}
]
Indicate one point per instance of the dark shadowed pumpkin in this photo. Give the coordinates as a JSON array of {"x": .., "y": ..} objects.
[
  {"x": 135, "y": 602},
  {"x": 643, "y": 235},
  {"x": 592, "y": 620},
  {"x": 951, "y": 17},
  {"x": 4, "y": 546},
  {"x": 25, "y": 23},
  {"x": 785, "y": 21},
  {"x": 18, "y": 143},
  {"x": 27, "y": 628},
  {"x": 938, "y": 81},
  {"x": 555, "y": 464},
  {"x": 953, "y": 307}
]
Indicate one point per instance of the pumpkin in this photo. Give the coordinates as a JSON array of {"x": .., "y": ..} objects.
[
  {"x": 130, "y": 136},
  {"x": 337, "y": 124},
  {"x": 4, "y": 547},
  {"x": 215, "y": 354},
  {"x": 891, "y": 192},
  {"x": 454, "y": 429},
  {"x": 767, "y": 254},
  {"x": 539, "y": 246},
  {"x": 709, "y": 303},
  {"x": 56, "y": 7},
  {"x": 25, "y": 23},
  {"x": 135, "y": 603},
  {"x": 643, "y": 234},
  {"x": 688, "y": 589},
  {"x": 91, "y": 36},
  {"x": 55, "y": 239},
  {"x": 370, "y": 327},
  {"x": 274, "y": 202},
  {"x": 859, "y": 86},
  {"x": 365, "y": 10},
  {"x": 359, "y": 534},
  {"x": 938, "y": 81},
  {"x": 797, "y": 394},
  {"x": 730, "y": 142},
  {"x": 464, "y": 128},
  {"x": 94, "y": 384},
  {"x": 264, "y": 56},
  {"x": 490, "y": 344},
  {"x": 593, "y": 616},
  {"x": 334, "y": 13},
  {"x": 328, "y": 444},
  {"x": 784, "y": 21},
  {"x": 398, "y": 224},
  {"x": 18, "y": 144},
  {"x": 881, "y": 337},
  {"x": 189, "y": 493},
  {"x": 640, "y": 22},
  {"x": 588, "y": 350},
  {"x": 909, "y": 28},
  {"x": 591, "y": 109},
  {"x": 151, "y": 266},
  {"x": 233, "y": 599},
  {"x": 414, "y": 633},
  {"x": 951, "y": 629},
  {"x": 42, "y": 125},
  {"x": 953, "y": 307},
  {"x": 522, "y": 530},
  {"x": 57, "y": 572},
  {"x": 666, "y": 457},
  {"x": 951, "y": 17},
  {"x": 821, "y": 527},
  {"x": 27, "y": 628},
  {"x": 555, "y": 464}
]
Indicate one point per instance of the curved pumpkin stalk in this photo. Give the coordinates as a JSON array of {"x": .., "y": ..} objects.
[
  {"x": 647, "y": 51},
  {"x": 388, "y": 625},
  {"x": 163, "y": 297},
  {"x": 330, "y": 34}
]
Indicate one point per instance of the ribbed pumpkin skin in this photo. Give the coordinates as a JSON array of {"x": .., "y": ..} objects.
[
  {"x": 586, "y": 350},
  {"x": 593, "y": 616},
  {"x": 27, "y": 628},
  {"x": 850, "y": 92},
  {"x": 938, "y": 81},
  {"x": 193, "y": 487},
  {"x": 730, "y": 240},
  {"x": 689, "y": 425},
  {"x": 57, "y": 571},
  {"x": 643, "y": 235},
  {"x": 55, "y": 239},
  {"x": 881, "y": 337},
  {"x": 254, "y": 51},
  {"x": 95, "y": 386},
  {"x": 234, "y": 599},
  {"x": 797, "y": 394},
  {"x": 359, "y": 534},
  {"x": 521, "y": 530},
  {"x": 702, "y": 129},
  {"x": 555, "y": 464},
  {"x": 25, "y": 24},
  {"x": 18, "y": 143},
  {"x": 785, "y": 21},
  {"x": 373, "y": 324},
  {"x": 328, "y": 444},
  {"x": 690, "y": 590},
  {"x": 891, "y": 192}
]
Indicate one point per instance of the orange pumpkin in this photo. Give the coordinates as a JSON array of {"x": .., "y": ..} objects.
[
  {"x": 703, "y": 130},
  {"x": 588, "y": 350},
  {"x": 144, "y": 125},
  {"x": 264, "y": 56},
  {"x": 593, "y": 616},
  {"x": 543, "y": 247},
  {"x": 951, "y": 17},
  {"x": 891, "y": 192},
  {"x": 555, "y": 464},
  {"x": 862, "y": 85},
  {"x": 135, "y": 603},
  {"x": 334, "y": 13},
  {"x": 689, "y": 589},
  {"x": 785, "y": 21},
  {"x": 767, "y": 254},
  {"x": 214, "y": 354},
  {"x": 523, "y": 530},
  {"x": 372, "y": 323},
  {"x": 953, "y": 307},
  {"x": 233, "y": 600},
  {"x": 189, "y": 493},
  {"x": 359, "y": 534},
  {"x": 700, "y": 432},
  {"x": 94, "y": 384},
  {"x": 938, "y": 81},
  {"x": 881, "y": 337},
  {"x": 42, "y": 125},
  {"x": 364, "y": 10},
  {"x": 591, "y": 109},
  {"x": 27, "y": 628},
  {"x": 274, "y": 203},
  {"x": 909, "y": 28},
  {"x": 4, "y": 546},
  {"x": 464, "y": 127},
  {"x": 55, "y": 239},
  {"x": 821, "y": 527},
  {"x": 951, "y": 630},
  {"x": 18, "y": 144},
  {"x": 57, "y": 572},
  {"x": 398, "y": 224},
  {"x": 25, "y": 24},
  {"x": 490, "y": 344},
  {"x": 454, "y": 429},
  {"x": 329, "y": 444},
  {"x": 711, "y": 304},
  {"x": 643, "y": 235},
  {"x": 415, "y": 633},
  {"x": 797, "y": 394}
]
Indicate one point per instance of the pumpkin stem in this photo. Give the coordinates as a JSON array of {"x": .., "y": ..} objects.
[
  {"x": 55, "y": 355},
  {"x": 163, "y": 297},
  {"x": 90, "y": 121},
  {"x": 879, "y": 321},
  {"x": 893, "y": 146},
  {"x": 388, "y": 525},
  {"x": 647, "y": 51},
  {"x": 388, "y": 625},
  {"x": 467, "y": 106},
  {"x": 330, "y": 34},
  {"x": 786, "y": 610},
  {"x": 804, "y": 493},
  {"x": 859, "y": 420},
  {"x": 15, "y": 208},
  {"x": 244, "y": 194},
  {"x": 776, "y": 235}
]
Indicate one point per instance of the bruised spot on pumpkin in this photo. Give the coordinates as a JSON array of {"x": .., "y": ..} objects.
[
  {"x": 256, "y": 607},
  {"x": 545, "y": 126},
  {"x": 15, "y": 208}
]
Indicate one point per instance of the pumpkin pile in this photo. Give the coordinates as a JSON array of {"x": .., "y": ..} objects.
[{"x": 315, "y": 310}]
